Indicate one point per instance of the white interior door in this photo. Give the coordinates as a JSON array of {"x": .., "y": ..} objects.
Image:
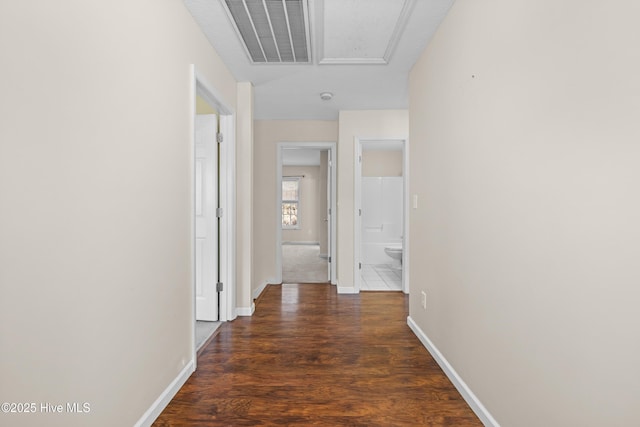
[{"x": 206, "y": 221}]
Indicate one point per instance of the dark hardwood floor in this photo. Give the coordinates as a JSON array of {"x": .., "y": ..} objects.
[{"x": 310, "y": 357}]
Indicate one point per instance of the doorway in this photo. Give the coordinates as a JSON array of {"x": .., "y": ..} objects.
[
  {"x": 212, "y": 195},
  {"x": 306, "y": 200},
  {"x": 381, "y": 220}
]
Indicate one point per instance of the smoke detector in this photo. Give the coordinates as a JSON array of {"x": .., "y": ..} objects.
[{"x": 326, "y": 96}]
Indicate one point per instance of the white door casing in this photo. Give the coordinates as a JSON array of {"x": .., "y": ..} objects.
[
  {"x": 206, "y": 221},
  {"x": 358, "y": 210},
  {"x": 331, "y": 148},
  {"x": 329, "y": 214},
  {"x": 357, "y": 220}
]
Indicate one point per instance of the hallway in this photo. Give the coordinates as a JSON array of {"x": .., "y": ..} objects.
[{"x": 311, "y": 357}]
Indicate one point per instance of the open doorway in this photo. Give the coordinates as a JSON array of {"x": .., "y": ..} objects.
[
  {"x": 207, "y": 225},
  {"x": 381, "y": 229},
  {"x": 213, "y": 151},
  {"x": 306, "y": 212}
]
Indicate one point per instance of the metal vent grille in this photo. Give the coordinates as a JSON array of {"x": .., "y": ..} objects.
[{"x": 273, "y": 31}]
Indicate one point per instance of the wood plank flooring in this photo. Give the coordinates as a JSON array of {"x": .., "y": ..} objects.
[{"x": 310, "y": 357}]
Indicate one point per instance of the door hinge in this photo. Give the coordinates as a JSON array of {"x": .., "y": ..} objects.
[
  {"x": 219, "y": 287},
  {"x": 219, "y": 138},
  {"x": 359, "y": 266},
  {"x": 329, "y": 260},
  {"x": 360, "y": 159},
  {"x": 329, "y": 211},
  {"x": 219, "y": 212},
  {"x": 359, "y": 212}
]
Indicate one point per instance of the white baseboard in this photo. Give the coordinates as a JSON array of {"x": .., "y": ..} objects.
[
  {"x": 246, "y": 311},
  {"x": 471, "y": 399},
  {"x": 163, "y": 400},
  {"x": 256, "y": 292},
  {"x": 347, "y": 290}
]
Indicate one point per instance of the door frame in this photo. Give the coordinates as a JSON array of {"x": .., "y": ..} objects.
[
  {"x": 331, "y": 147},
  {"x": 227, "y": 195},
  {"x": 357, "y": 218}
]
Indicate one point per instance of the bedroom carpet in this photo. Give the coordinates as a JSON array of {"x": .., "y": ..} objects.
[{"x": 303, "y": 264}]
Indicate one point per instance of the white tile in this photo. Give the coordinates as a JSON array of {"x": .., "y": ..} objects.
[
  {"x": 395, "y": 285},
  {"x": 377, "y": 285}
]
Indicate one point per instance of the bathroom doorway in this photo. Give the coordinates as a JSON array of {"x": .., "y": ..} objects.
[{"x": 381, "y": 220}]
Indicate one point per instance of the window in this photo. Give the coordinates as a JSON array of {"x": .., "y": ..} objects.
[{"x": 290, "y": 201}]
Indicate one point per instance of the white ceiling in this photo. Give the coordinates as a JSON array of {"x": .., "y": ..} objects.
[{"x": 362, "y": 52}]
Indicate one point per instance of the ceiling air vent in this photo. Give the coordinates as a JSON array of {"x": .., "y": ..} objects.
[{"x": 272, "y": 31}]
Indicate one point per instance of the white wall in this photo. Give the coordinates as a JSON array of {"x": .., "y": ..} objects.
[
  {"x": 524, "y": 155},
  {"x": 267, "y": 134},
  {"x": 382, "y": 217},
  {"x": 95, "y": 271},
  {"x": 372, "y": 124}
]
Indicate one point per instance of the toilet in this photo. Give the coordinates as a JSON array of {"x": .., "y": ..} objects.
[{"x": 394, "y": 250}]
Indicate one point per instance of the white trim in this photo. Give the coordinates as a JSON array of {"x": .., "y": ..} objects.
[
  {"x": 462, "y": 387},
  {"x": 165, "y": 397},
  {"x": 396, "y": 34},
  {"x": 347, "y": 290},
  {"x": 406, "y": 234},
  {"x": 256, "y": 292},
  {"x": 192, "y": 198},
  {"x": 331, "y": 146},
  {"x": 210, "y": 94},
  {"x": 357, "y": 215},
  {"x": 228, "y": 220},
  {"x": 354, "y": 61},
  {"x": 246, "y": 311}
]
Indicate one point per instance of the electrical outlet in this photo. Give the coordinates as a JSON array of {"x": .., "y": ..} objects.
[{"x": 424, "y": 300}]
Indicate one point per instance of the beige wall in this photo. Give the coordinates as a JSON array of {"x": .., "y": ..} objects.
[
  {"x": 524, "y": 155},
  {"x": 202, "y": 107},
  {"x": 373, "y": 124},
  {"x": 267, "y": 134},
  {"x": 309, "y": 215},
  {"x": 381, "y": 163},
  {"x": 95, "y": 271},
  {"x": 244, "y": 198}
]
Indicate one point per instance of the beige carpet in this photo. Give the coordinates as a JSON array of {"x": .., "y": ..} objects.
[{"x": 302, "y": 264}]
